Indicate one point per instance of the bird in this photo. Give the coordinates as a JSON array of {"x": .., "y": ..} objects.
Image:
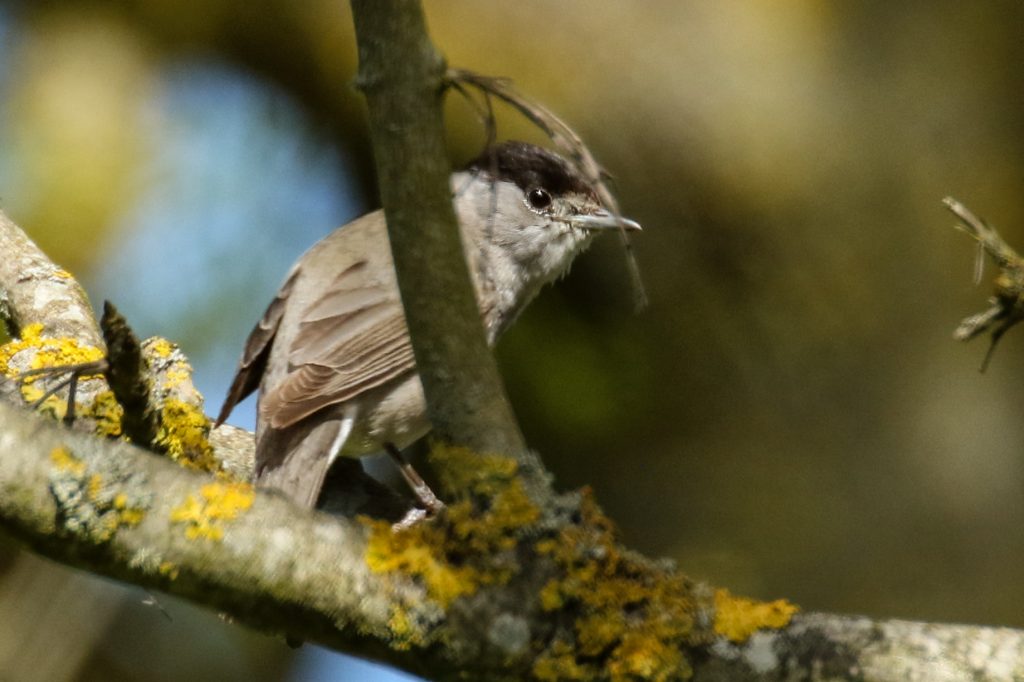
[{"x": 331, "y": 356}]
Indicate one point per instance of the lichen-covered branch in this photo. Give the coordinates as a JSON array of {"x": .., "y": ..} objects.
[
  {"x": 119, "y": 511},
  {"x": 820, "y": 646},
  {"x": 491, "y": 597},
  {"x": 33, "y": 290},
  {"x": 45, "y": 308}
]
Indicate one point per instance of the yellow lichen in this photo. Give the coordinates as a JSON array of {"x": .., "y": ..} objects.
[
  {"x": 559, "y": 663},
  {"x": 90, "y": 504},
  {"x": 168, "y": 570},
  {"x": 161, "y": 347},
  {"x": 205, "y": 515},
  {"x": 639, "y": 656},
  {"x": 107, "y": 414},
  {"x": 428, "y": 550},
  {"x": 94, "y": 487},
  {"x": 420, "y": 551},
  {"x": 736, "y": 618},
  {"x": 632, "y": 619},
  {"x": 183, "y": 433},
  {"x": 469, "y": 546},
  {"x": 182, "y": 427},
  {"x": 404, "y": 634},
  {"x": 50, "y": 352},
  {"x": 56, "y": 353},
  {"x": 108, "y": 522},
  {"x": 62, "y": 458},
  {"x": 130, "y": 516},
  {"x": 113, "y": 507},
  {"x": 464, "y": 472}
]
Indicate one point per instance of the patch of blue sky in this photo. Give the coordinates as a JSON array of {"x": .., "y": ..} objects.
[
  {"x": 316, "y": 664},
  {"x": 238, "y": 185}
]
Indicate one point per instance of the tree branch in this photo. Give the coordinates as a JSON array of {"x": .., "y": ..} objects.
[
  {"x": 275, "y": 567},
  {"x": 35, "y": 290},
  {"x": 402, "y": 76},
  {"x": 40, "y": 300},
  {"x": 122, "y": 512},
  {"x": 1006, "y": 307}
]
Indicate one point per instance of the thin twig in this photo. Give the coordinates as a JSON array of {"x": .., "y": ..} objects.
[
  {"x": 1007, "y": 306},
  {"x": 74, "y": 372},
  {"x": 1000, "y": 252}
]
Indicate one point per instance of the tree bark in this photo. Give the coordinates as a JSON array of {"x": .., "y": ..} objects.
[{"x": 401, "y": 75}]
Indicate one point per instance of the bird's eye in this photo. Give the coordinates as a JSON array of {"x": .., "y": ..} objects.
[{"x": 539, "y": 199}]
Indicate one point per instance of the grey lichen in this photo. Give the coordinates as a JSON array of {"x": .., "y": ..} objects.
[
  {"x": 95, "y": 503},
  {"x": 509, "y": 633}
]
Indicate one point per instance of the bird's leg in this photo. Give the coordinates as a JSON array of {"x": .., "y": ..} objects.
[{"x": 431, "y": 504}]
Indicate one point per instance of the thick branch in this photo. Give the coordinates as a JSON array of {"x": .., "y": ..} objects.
[
  {"x": 820, "y": 646},
  {"x": 270, "y": 566},
  {"x": 402, "y": 76},
  {"x": 282, "y": 569}
]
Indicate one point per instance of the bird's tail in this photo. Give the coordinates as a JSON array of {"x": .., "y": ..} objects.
[{"x": 295, "y": 460}]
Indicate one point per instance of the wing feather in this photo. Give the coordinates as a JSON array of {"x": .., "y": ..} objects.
[
  {"x": 257, "y": 350},
  {"x": 352, "y": 338}
]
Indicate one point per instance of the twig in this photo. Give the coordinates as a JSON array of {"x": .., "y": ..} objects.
[
  {"x": 1007, "y": 305},
  {"x": 47, "y": 311},
  {"x": 74, "y": 372}
]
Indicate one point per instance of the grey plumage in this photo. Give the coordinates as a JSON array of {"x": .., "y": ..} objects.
[{"x": 331, "y": 355}]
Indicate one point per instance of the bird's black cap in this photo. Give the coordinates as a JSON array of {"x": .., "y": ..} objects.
[{"x": 530, "y": 166}]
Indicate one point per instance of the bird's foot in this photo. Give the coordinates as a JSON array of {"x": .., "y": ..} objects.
[
  {"x": 411, "y": 518},
  {"x": 417, "y": 515},
  {"x": 429, "y": 504}
]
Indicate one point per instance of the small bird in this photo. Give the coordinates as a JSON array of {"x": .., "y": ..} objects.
[{"x": 332, "y": 356}]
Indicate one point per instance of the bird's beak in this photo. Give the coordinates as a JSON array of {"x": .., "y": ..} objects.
[{"x": 602, "y": 220}]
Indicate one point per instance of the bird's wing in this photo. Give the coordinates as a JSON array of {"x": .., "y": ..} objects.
[
  {"x": 257, "y": 350},
  {"x": 351, "y": 338}
]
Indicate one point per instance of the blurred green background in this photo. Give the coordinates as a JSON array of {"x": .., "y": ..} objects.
[{"x": 789, "y": 416}]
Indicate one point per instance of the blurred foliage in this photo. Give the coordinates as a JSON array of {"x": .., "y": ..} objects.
[
  {"x": 72, "y": 130},
  {"x": 789, "y": 417}
]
